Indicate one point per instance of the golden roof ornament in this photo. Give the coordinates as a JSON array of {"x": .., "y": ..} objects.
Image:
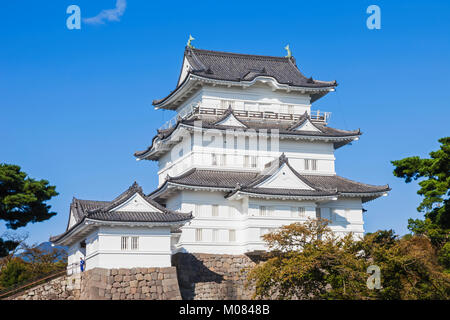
[
  {"x": 189, "y": 41},
  {"x": 289, "y": 53}
]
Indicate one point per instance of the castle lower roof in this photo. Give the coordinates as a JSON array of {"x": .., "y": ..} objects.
[
  {"x": 103, "y": 211},
  {"x": 232, "y": 182}
]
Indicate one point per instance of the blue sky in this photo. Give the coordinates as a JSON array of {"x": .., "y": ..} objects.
[{"x": 76, "y": 104}]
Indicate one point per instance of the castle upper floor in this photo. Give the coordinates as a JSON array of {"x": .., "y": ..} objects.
[{"x": 249, "y": 82}]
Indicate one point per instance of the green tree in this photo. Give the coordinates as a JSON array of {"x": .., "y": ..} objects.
[
  {"x": 307, "y": 261},
  {"x": 15, "y": 271},
  {"x": 32, "y": 262},
  {"x": 409, "y": 267},
  {"x": 22, "y": 200},
  {"x": 434, "y": 173}
]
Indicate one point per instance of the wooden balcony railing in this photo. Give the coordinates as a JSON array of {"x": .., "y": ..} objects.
[{"x": 317, "y": 116}]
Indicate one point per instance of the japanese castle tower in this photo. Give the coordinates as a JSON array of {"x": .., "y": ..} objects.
[{"x": 244, "y": 155}]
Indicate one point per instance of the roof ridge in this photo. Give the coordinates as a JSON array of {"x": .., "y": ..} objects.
[
  {"x": 272, "y": 169},
  {"x": 244, "y": 55}
]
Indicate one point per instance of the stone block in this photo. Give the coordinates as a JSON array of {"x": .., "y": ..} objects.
[
  {"x": 124, "y": 272},
  {"x": 142, "y": 283},
  {"x": 148, "y": 277},
  {"x": 139, "y": 277}
]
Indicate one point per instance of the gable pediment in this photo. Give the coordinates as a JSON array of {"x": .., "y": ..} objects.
[
  {"x": 307, "y": 125},
  {"x": 136, "y": 203},
  {"x": 231, "y": 121},
  {"x": 284, "y": 178},
  {"x": 184, "y": 70},
  {"x": 72, "y": 219}
]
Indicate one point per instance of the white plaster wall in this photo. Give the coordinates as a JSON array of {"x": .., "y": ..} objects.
[
  {"x": 345, "y": 215},
  {"x": 199, "y": 154},
  {"x": 74, "y": 252},
  {"x": 154, "y": 248},
  {"x": 247, "y": 222},
  {"x": 256, "y": 98}
]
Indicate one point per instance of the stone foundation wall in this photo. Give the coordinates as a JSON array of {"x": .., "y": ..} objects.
[
  {"x": 193, "y": 276},
  {"x": 212, "y": 276},
  {"x": 130, "y": 284},
  {"x": 61, "y": 288},
  {"x": 109, "y": 284}
]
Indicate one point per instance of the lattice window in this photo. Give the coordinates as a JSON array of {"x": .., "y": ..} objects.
[
  {"x": 215, "y": 210},
  {"x": 253, "y": 161},
  {"x": 134, "y": 243},
  {"x": 124, "y": 243},
  {"x": 198, "y": 235},
  {"x": 298, "y": 212},
  {"x": 263, "y": 211},
  {"x": 311, "y": 164},
  {"x": 215, "y": 235},
  {"x": 223, "y": 160},
  {"x": 232, "y": 235}
]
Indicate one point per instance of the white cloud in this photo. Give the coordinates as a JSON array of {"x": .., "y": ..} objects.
[{"x": 108, "y": 14}]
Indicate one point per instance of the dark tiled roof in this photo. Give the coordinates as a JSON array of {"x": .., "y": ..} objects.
[
  {"x": 282, "y": 127},
  {"x": 236, "y": 67},
  {"x": 100, "y": 210},
  {"x": 323, "y": 185},
  {"x": 133, "y": 216},
  {"x": 288, "y": 192},
  {"x": 343, "y": 185},
  {"x": 213, "y": 178}
]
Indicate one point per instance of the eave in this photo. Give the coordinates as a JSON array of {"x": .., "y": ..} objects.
[
  {"x": 189, "y": 84},
  {"x": 240, "y": 194},
  {"x": 86, "y": 226},
  {"x": 161, "y": 146}
]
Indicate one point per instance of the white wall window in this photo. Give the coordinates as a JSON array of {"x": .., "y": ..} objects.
[
  {"x": 298, "y": 212},
  {"x": 215, "y": 235},
  {"x": 134, "y": 243},
  {"x": 253, "y": 161},
  {"x": 223, "y": 160},
  {"x": 124, "y": 243},
  {"x": 198, "y": 235},
  {"x": 311, "y": 164},
  {"x": 213, "y": 159},
  {"x": 232, "y": 235},
  {"x": 262, "y": 211},
  {"x": 318, "y": 214},
  {"x": 215, "y": 210}
]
